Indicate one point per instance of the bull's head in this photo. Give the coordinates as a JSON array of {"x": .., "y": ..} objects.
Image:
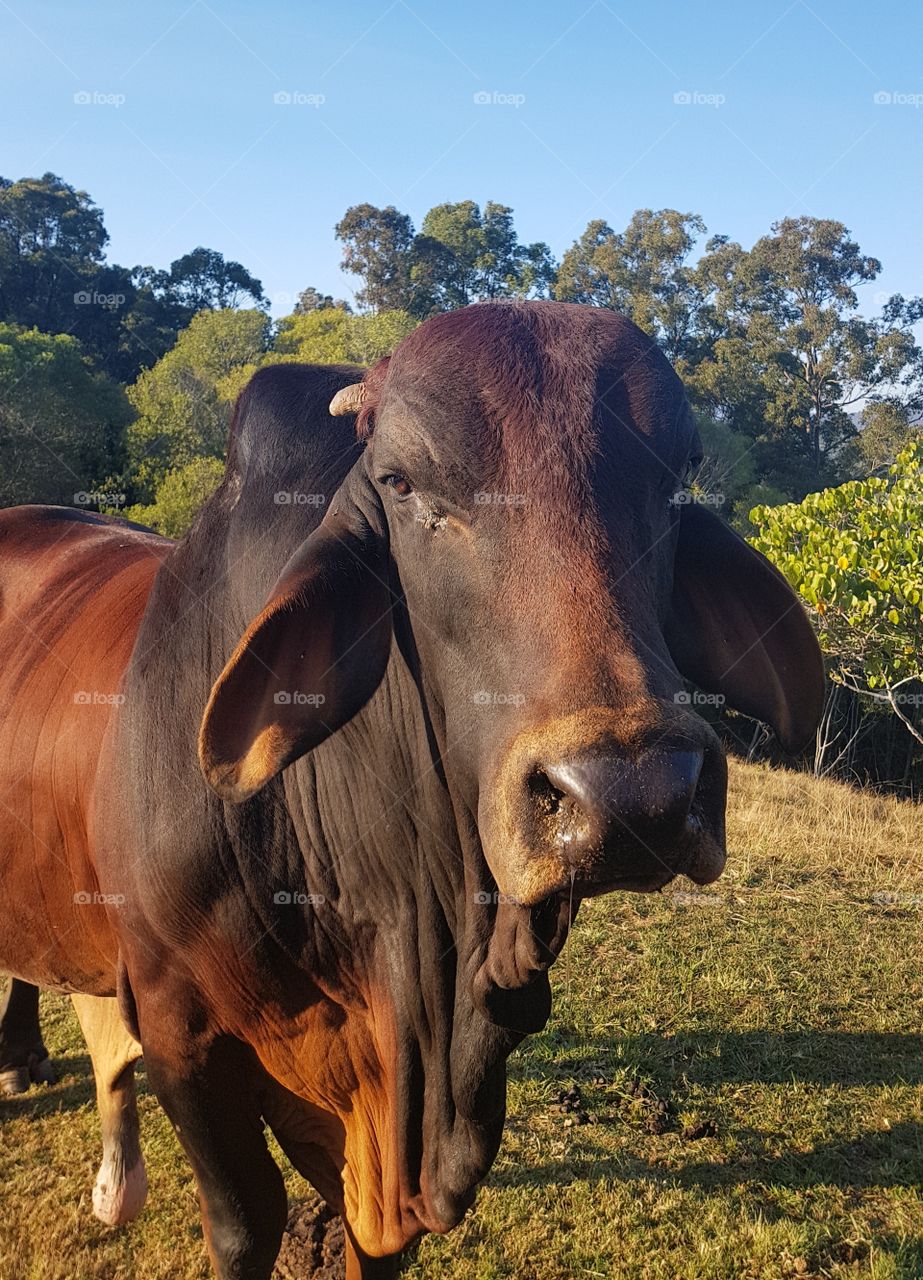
[{"x": 520, "y": 494}]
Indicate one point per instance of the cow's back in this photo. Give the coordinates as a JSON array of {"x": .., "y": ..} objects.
[{"x": 73, "y": 587}]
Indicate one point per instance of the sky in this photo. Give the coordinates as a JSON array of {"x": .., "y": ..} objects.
[{"x": 250, "y": 128}]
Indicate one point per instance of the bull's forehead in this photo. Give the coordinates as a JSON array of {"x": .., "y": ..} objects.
[{"x": 531, "y": 389}]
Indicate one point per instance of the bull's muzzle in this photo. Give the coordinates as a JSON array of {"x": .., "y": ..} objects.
[
  {"x": 607, "y": 814},
  {"x": 615, "y": 822}
]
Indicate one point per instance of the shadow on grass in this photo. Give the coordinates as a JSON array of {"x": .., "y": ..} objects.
[
  {"x": 75, "y": 1088},
  {"x": 738, "y": 1057},
  {"x": 892, "y": 1157},
  {"x": 881, "y": 1159}
]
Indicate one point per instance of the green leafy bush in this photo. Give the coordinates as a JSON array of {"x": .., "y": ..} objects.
[{"x": 855, "y": 554}]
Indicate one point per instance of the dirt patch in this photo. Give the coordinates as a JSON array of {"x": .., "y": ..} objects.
[{"x": 313, "y": 1246}]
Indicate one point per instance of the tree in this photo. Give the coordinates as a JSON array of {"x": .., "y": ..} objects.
[
  {"x": 376, "y": 247},
  {"x": 179, "y": 496},
  {"x": 855, "y": 554},
  {"x": 61, "y": 423},
  {"x": 886, "y": 428},
  {"x": 53, "y": 273},
  {"x": 463, "y": 256},
  {"x": 205, "y": 280},
  {"x": 311, "y": 299},
  {"x": 644, "y": 272},
  {"x": 330, "y": 336},
  {"x": 818, "y": 358},
  {"x": 52, "y": 246},
  {"x": 184, "y": 402}
]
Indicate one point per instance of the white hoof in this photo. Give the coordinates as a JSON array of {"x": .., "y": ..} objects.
[{"x": 118, "y": 1197}]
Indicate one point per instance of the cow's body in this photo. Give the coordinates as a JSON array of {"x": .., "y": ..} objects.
[
  {"x": 326, "y": 948},
  {"x": 73, "y": 588}
]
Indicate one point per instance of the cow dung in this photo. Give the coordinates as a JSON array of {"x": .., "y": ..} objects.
[{"x": 313, "y": 1246}]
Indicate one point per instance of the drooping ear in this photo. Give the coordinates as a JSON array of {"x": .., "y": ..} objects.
[
  {"x": 312, "y": 658},
  {"x": 738, "y": 629}
]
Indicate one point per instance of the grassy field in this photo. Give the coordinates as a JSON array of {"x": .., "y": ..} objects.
[{"x": 750, "y": 1059}]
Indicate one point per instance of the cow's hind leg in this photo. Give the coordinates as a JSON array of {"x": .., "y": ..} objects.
[
  {"x": 121, "y": 1184},
  {"x": 23, "y": 1056}
]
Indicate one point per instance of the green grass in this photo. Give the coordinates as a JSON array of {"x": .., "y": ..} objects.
[{"x": 784, "y": 1005}]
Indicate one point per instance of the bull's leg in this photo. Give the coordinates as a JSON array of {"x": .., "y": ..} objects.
[
  {"x": 23, "y": 1056},
  {"x": 215, "y": 1110},
  {"x": 121, "y": 1184},
  {"x": 359, "y": 1266}
]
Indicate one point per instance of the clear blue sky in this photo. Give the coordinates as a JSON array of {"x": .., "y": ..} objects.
[{"x": 581, "y": 120}]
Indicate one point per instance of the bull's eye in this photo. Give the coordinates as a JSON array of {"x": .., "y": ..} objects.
[{"x": 400, "y": 484}]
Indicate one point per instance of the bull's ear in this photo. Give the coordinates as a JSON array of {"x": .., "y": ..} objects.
[
  {"x": 314, "y": 655},
  {"x": 738, "y": 629}
]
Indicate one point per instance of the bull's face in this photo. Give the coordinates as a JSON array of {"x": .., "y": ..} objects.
[{"x": 521, "y": 497}]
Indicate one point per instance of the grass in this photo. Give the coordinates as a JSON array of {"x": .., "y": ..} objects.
[{"x": 783, "y": 1005}]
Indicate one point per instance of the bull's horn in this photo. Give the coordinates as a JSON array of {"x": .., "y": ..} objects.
[{"x": 348, "y": 399}]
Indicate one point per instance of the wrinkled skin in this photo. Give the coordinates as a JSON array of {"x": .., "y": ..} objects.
[{"x": 434, "y": 720}]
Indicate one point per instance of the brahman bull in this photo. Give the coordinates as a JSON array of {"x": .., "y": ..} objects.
[{"x": 315, "y": 794}]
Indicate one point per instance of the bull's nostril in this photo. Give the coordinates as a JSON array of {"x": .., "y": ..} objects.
[
  {"x": 546, "y": 796},
  {"x": 563, "y": 821}
]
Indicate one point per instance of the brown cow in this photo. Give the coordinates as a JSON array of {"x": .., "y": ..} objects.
[{"x": 434, "y": 721}]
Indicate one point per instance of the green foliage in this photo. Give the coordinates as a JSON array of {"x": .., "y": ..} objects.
[
  {"x": 61, "y": 423},
  {"x": 855, "y": 554},
  {"x": 330, "y": 335},
  {"x": 179, "y": 496},
  {"x": 184, "y": 402}
]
